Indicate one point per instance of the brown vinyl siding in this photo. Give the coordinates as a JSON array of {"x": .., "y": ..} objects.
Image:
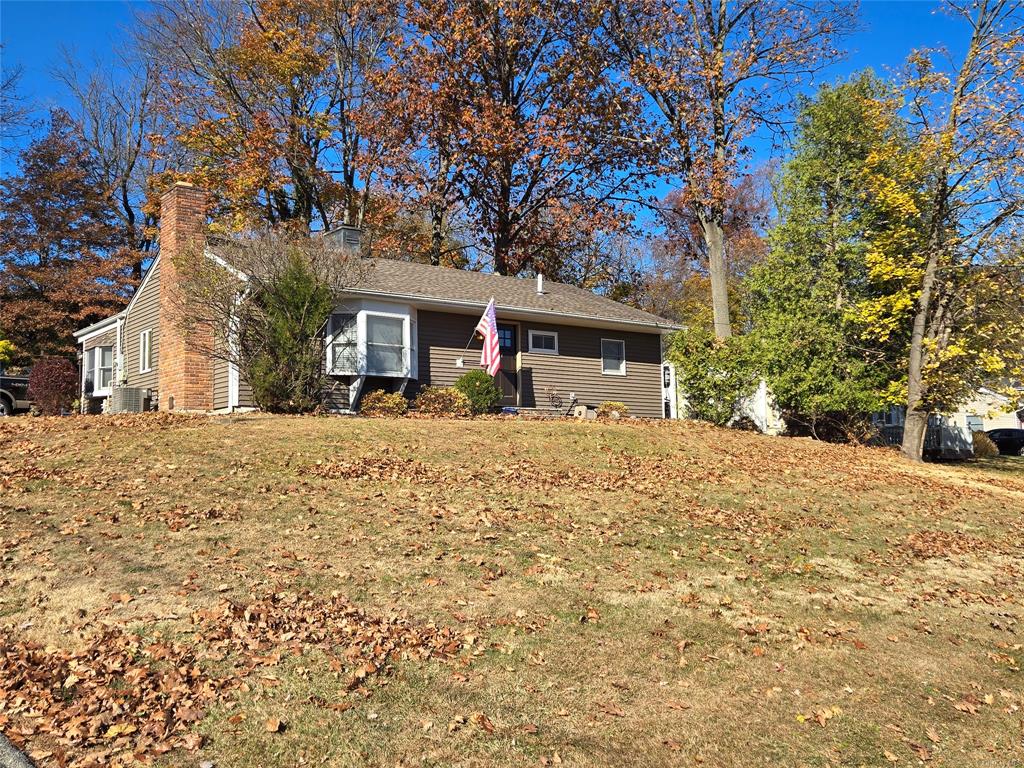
[
  {"x": 220, "y": 384},
  {"x": 105, "y": 339},
  {"x": 244, "y": 394},
  {"x": 144, "y": 315},
  {"x": 576, "y": 367},
  {"x": 442, "y": 338},
  {"x": 336, "y": 393}
]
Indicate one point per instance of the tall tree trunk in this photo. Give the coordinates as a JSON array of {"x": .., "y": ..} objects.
[
  {"x": 436, "y": 233},
  {"x": 714, "y": 219},
  {"x": 913, "y": 439},
  {"x": 714, "y": 236},
  {"x": 915, "y": 427},
  {"x": 502, "y": 248}
]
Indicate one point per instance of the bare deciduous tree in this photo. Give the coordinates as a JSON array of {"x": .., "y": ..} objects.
[
  {"x": 119, "y": 123},
  {"x": 15, "y": 111},
  {"x": 716, "y": 72}
]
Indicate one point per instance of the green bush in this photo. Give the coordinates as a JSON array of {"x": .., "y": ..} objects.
[
  {"x": 442, "y": 401},
  {"x": 714, "y": 375},
  {"x": 381, "y": 403},
  {"x": 479, "y": 389},
  {"x": 612, "y": 409},
  {"x": 984, "y": 448},
  {"x": 281, "y": 347}
]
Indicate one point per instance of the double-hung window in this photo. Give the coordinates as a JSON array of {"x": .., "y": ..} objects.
[
  {"x": 103, "y": 369},
  {"x": 385, "y": 345},
  {"x": 145, "y": 351},
  {"x": 613, "y": 357}
]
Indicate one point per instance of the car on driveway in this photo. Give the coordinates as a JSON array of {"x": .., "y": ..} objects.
[
  {"x": 13, "y": 394},
  {"x": 1010, "y": 442}
]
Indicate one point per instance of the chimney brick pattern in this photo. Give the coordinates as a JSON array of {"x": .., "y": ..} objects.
[{"x": 185, "y": 380}]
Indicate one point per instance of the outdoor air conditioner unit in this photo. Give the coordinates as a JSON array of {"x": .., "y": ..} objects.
[{"x": 127, "y": 400}]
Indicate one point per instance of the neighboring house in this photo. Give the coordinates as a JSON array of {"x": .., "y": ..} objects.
[
  {"x": 404, "y": 326},
  {"x": 949, "y": 434}
]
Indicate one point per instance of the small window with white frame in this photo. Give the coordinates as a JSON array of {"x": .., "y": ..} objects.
[
  {"x": 544, "y": 342},
  {"x": 146, "y": 351},
  {"x": 613, "y": 357}
]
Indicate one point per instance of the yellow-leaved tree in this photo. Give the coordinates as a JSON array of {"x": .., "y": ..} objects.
[{"x": 947, "y": 264}]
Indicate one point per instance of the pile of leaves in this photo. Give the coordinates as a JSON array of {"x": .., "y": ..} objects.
[
  {"x": 383, "y": 404},
  {"x": 122, "y": 698},
  {"x": 358, "y": 644},
  {"x": 442, "y": 401},
  {"x": 118, "y": 699}
]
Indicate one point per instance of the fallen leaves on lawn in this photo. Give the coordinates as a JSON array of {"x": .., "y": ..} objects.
[
  {"x": 123, "y": 698},
  {"x": 357, "y": 643},
  {"x": 118, "y": 699}
]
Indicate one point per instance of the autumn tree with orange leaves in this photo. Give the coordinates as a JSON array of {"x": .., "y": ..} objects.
[
  {"x": 513, "y": 112},
  {"x": 263, "y": 96},
  {"x": 715, "y": 73},
  {"x": 64, "y": 259}
]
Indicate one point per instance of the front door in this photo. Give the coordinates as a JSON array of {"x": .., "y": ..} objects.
[{"x": 508, "y": 376}]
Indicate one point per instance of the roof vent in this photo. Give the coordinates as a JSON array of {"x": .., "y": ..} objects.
[{"x": 540, "y": 283}]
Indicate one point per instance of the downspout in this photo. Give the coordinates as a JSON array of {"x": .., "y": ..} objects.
[{"x": 118, "y": 380}]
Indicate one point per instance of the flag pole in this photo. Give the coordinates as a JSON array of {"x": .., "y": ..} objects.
[{"x": 460, "y": 362}]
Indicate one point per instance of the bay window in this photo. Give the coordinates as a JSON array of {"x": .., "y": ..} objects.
[
  {"x": 343, "y": 352},
  {"x": 372, "y": 339}
]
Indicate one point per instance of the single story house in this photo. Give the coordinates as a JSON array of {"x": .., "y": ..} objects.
[{"x": 403, "y": 326}]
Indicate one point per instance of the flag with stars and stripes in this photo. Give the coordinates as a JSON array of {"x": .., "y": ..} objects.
[{"x": 490, "y": 355}]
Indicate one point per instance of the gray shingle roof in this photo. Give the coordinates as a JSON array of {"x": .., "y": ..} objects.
[{"x": 413, "y": 280}]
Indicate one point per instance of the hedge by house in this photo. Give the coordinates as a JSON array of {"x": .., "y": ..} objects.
[
  {"x": 442, "y": 401},
  {"x": 381, "y": 403},
  {"x": 53, "y": 385}
]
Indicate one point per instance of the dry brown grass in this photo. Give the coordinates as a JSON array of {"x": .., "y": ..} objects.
[{"x": 622, "y": 594}]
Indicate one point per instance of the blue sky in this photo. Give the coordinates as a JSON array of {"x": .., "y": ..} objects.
[{"x": 34, "y": 32}]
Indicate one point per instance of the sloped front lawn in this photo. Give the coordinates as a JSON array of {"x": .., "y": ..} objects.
[{"x": 260, "y": 591}]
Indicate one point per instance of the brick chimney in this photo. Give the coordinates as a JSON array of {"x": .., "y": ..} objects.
[{"x": 186, "y": 372}]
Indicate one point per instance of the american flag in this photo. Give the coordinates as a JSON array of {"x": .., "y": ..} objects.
[{"x": 490, "y": 355}]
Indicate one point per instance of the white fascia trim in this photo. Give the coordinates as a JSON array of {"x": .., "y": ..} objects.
[
  {"x": 222, "y": 263},
  {"x": 138, "y": 291},
  {"x": 520, "y": 312},
  {"x": 97, "y": 328}
]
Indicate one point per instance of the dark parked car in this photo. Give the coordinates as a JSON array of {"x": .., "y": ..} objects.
[
  {"x": 13, "y": 394},
  {"x": 1010, "y": 442}
]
